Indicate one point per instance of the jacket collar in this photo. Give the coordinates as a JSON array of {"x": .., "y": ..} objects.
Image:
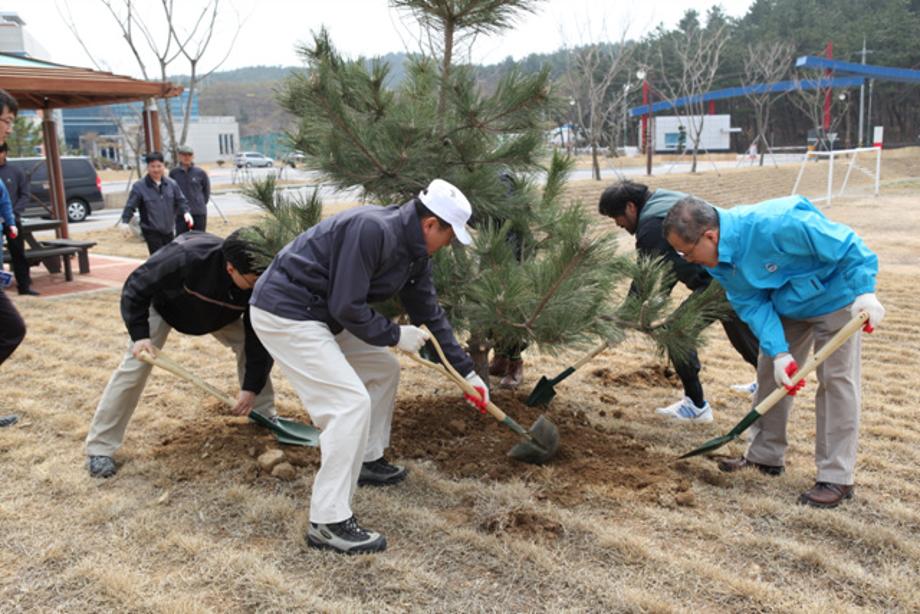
[
  {"x": 412, "y": 230},
  {"x": 151, "y": 184},
  {"x": 727, "y": 235}
]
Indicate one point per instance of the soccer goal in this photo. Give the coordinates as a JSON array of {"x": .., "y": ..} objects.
[{"x": 829, "y": 166}]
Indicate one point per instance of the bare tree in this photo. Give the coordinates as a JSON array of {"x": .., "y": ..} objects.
[
  {"x": 764, "y": 63},
  {"x": 161, "y": 41},
  {"x": 809, "y": 98},
  {"x": 689, "y": 60},
  {"x": 591, "y": 73}
]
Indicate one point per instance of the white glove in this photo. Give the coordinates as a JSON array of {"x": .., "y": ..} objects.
[
  {"x": 411, "y": 338},
  {"x": 784, "y": 366},
  {"x": 869, "y": 304},
  {"x": 189, "y": 221},
  {"x": 476, "y": 382},
  {"x": 14, "y": 232}
]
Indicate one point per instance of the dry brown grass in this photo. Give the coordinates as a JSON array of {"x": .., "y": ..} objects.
[{"x": 189, "y": 524}]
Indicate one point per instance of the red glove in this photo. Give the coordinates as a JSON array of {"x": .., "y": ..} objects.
[
  {"x": 14, "y": 232},
  {"x": 784, "y": 367},
  {"x": 479, "y": 386}
]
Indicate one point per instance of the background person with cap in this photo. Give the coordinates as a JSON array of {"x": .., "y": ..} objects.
[
  {"x": 198, "y": 284},
  {"x": 311, "y": 309},
  {"x": 17, "y": 186},
  {"x": 196, "y": 186},
  {"x": 159, "y": 200}
]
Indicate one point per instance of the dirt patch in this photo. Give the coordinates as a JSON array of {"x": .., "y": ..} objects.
[{"x": 646, "y": 376}]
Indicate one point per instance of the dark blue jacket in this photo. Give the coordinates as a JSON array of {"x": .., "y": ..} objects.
[
  {"x": 332, "y": 272},
  {"x": 158, "y": 206},
  {"x": 17, "y": 184},
  {"x": 195, "y": 185}
]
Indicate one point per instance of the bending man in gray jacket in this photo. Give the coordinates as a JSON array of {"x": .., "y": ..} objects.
[{"x": 311, "y": 310}]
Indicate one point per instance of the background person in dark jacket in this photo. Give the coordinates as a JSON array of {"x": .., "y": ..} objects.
[
  {"x": 196, "y": 186},
  {"x": 198, "y": 284},
  {"x": 17, "y": 185},
  {"x": 159, "y": 201},
  {"x": 311, "y": 309},
  {"x": 641, "y": 212},
  {"x": 12, "y": 328}
]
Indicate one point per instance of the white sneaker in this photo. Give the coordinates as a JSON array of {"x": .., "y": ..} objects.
[
  {"x": 748, "y": 389},
  {"x": 687, "y": 411}
]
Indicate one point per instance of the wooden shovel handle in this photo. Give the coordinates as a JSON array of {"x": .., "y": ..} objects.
[
  {"x": 841, "y": 337},
  {"x": 175, "y": 368},
  {"x": 590, "y": 355}
]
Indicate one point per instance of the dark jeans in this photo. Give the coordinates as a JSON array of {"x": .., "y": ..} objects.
[
  {"x": 18, "y": 257},
  {"x": 201, "y": 223},
  {"x": 12, "y": 328},
  {"x": 155, "y": 240},
  {"x": 741, "y": 338}
]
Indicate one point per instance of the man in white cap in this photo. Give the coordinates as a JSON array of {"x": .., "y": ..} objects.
[{"x": 312, "y": 311}]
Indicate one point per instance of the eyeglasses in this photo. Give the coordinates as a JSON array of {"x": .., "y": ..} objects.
[{"x": 689, "y": 251}]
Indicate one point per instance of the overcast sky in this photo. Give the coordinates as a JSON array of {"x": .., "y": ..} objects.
[{"x": 272, "y": 29}]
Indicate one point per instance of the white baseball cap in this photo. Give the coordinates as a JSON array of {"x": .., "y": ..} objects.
[{"x": 448, "y": 203}]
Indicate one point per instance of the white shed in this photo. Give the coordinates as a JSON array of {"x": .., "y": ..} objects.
[{"x": 716, "y": 135}]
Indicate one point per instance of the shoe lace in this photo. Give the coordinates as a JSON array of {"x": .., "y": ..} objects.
[{"x": 351, "y": 529}]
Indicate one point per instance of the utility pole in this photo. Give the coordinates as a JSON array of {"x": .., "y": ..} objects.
[{"x": 862, "y": 99}]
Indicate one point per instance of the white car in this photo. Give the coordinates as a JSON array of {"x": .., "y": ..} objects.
[{"x": 248, "y": 159}]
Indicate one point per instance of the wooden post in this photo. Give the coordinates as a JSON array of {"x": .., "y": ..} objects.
[
  {"x": 152, "y": 141},
  {"x": 55, "y": 174}
]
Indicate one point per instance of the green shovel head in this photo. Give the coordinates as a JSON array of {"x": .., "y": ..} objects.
[
  {"x": 289, "y": 432},
  {"x": 711, "y": 445}
]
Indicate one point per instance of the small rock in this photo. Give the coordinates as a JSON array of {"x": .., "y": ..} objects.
[
  {"x": 251, "y": 451},
  {"x": 284, "y": 471},
  {"x": 602, "y": 413},
  {"x": 685, "y": 499},
  {"x": 457, "y": 426},
  {"x": 269, "y": 459}
]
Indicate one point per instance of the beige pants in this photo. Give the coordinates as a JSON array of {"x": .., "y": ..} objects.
[
  {"x": 121, "y": 395},
  {"x": 837, "y": 400},
  {"x": 349, "y": 389}
]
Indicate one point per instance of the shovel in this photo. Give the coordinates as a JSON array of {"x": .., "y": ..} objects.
[
  {"x": 774, "y": 397},
  {"x": 545, "y": 389},
  {"x": 286, "y": 431},
  {"x": 541, "y": 441}
]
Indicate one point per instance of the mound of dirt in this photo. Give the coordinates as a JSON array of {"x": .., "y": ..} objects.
[{"x": 646, "y": 376}]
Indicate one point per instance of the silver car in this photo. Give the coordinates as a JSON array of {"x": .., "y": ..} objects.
[{"x": 249, "y": 159}]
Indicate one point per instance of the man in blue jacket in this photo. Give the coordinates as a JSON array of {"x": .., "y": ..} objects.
[
  {"x": 12, "y": 328},
  {"x": 311, "y": 310},
  {"x": 159, "y": 202},
  {"x": 796, "y": 278}
]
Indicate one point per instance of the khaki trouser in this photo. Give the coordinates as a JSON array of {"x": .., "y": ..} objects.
[
  {"x": 837, "y": 400},
  {"x": 349, "y": 389},
  {"x": 121, "y": 395}
]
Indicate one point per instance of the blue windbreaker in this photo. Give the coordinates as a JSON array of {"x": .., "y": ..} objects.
[{"x": 783, "y": 258}]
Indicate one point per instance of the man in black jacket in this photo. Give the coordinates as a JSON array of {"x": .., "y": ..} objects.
[
  {"x": 641, "y": 212},
  {"x": 196, "y": 186},
  {"x": 197, "y": 284},
  {"x": 159, "y": 201},
  {"x": 311, "y": 309},
  {"x": 17, "y": 184}
]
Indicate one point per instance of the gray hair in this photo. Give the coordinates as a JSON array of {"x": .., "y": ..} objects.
[{"x": 689, "y": 218}]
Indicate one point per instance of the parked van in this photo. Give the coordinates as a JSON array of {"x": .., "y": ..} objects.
[{"x": 82, "y": 187}]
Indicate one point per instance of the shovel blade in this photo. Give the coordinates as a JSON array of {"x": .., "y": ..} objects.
[
  {"x": 712, "y": 444},
  {"x": 289, "y": 432},
  {"x": 542, "y": 393},
  {"x": 542, "y": 447}
]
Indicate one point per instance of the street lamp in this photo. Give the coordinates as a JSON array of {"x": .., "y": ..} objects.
[{"x": 641, "y": 75}]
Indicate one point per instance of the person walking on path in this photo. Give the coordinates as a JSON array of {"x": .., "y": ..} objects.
[
  {"x": 641, "y": 213},
  {"x": 159, "y": 201},
  {"x": 12, "y": 327},
  {"x": 17, "y": 186},
  {"x": 796, "y": 278},
  {"x": 196, "y": 186},
  {"x": 312, "y": 310},
  {"x": 198, "y": 284}
]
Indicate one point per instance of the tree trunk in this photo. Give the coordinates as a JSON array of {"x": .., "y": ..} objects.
[
  {"x": 479, "y": 352},
  {"x": 445, "y": 69},
  {"x": 595, "y": 164}
]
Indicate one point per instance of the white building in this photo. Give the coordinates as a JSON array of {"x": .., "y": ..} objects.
[
  {"x": 666, "y": 131},
  {"x": 15, "y": 40},
  {"x": 212, "y": 137}
]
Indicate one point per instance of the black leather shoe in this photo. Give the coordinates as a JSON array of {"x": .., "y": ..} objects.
[
  {"x": 737, "y": 464},
  {"x": 29, "y": 292}
]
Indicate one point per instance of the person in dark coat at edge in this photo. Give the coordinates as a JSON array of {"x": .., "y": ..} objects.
[
  {"x": 159, "y": 201},
  {"x": 312, "y": 310},
  {"x": 198, "y": 284},
  {"x": 17, "y": 185},
  {"x": 12, "y": 327},
  {"x": 196, "y": 186},
  {"x": 641, "y": 212}
]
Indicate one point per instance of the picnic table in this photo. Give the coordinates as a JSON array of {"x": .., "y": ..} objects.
[{"x": 55, "y": 253}]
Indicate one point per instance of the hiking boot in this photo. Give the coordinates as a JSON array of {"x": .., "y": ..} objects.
[
  {"x": 499, "y": 365},
  {"x": 826, "y": 495},
  {"x": 731, "y": 465},
  {"x": 8, "y": 420},
  {"x": 381, "y": 473},
  {"x": 745, "y": 389},
  {"x": 101, "y": 466},
  {"x": 346, "y": 537},
  {"x": 515, "y": 375},
  {"x": 687, "y": 411}
]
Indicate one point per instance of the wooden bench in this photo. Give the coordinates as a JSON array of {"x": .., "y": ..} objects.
[
  {"x": 54, "y": 256},
  {"x": 82, "y": 255}
]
